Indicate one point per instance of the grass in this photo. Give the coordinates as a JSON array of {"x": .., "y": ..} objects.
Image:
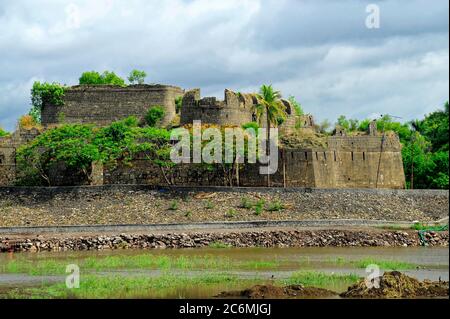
[
  {"x": 246, "y": 203},
  {"x": 230, "y": 213},
  {"x": 162, "y": 262},
  {"x": 116, "y": 286},
  {"x": 218, "y": 244},
  {"x": 384, "y": 264},
  {"x": 259, "y": 206},
  {"x": 209, "y": 205},
  {"x": 99, "y": 287},
  {"x": 320, "y": 279},
  {"x": 276, "y": 206},
  {"x": 173, "y": 205},
  {"x": 420, "y": 226}
]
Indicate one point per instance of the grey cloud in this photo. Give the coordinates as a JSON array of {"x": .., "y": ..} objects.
[{"x": 318, "y": 51}]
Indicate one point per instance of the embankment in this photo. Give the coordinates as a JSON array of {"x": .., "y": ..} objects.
[
  {"x": 242, "y": 238},
  {"x": 137, "y": 204}
]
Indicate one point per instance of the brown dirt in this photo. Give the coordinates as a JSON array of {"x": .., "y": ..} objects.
[
  {"x": 275, "y": 292},
  {"x": 397, "y": 285}
]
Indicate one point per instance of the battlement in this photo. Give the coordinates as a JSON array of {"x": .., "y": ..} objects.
[{"x": 235, "y": 109}]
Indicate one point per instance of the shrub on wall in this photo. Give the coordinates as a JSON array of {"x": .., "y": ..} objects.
[
  {"x": 28, "y": 122},
  {"x": 45, "y": 92},
  {"x": 68, "y": 144},
  {"x": 154, "y": 115},
  {"x": 95, "y": 78}
]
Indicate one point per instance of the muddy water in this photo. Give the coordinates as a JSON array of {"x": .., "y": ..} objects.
[{"x": 434, "y": 265}]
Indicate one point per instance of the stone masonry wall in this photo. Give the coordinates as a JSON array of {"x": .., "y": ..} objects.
[
  {"x": 343, "y": 165},
  {"x": 8, "y": 146},
  {"x": 234, "y": 110},
  {"x": 104, "y": 104}
]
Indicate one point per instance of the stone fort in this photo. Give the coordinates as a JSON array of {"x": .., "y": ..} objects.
[{"x": 371, "y": 160}]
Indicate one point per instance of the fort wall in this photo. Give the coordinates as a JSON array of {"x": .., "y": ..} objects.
[
  {"x": 103, "y": 104},
  {"x": 346, "y": 167}
]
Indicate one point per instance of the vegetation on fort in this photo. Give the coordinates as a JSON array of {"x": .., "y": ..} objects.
[
  {"x": 95, "y": 78},
  {"x": 78, "y": 146},
  {"x": 137, "y": 77},
  {"x": 52, "y": 93},
  {"x": 425, "y": 149},
  {"x": 154, "y": 115},
  {"x": 296, "y": 105},
  {"x": 3, "y": 132}
]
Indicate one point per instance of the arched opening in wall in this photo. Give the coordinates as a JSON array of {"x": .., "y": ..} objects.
[
  {"x": 292, "y": 155},
  {"x": 364, "y": 156},
  {"x": 352, "y": 156},
  {"x": 335, "y": 156},
  {"x": 306, "y": 155},
  {"x": 317, "y": 156},
  {"x": 325, "y": 156}
]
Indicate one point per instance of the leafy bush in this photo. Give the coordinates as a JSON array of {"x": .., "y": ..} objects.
[
  {"x": 95, "y": 78},
  {"x": 275, "y": 206},
  {"x": 173, "y": 205},
  {"x": 230, "y": 213},
  {"x": 246, "y": 203},
  {"x": 178, "y": 104},
  {"x": 77, "y": 146},
  {"x": 137, "y": 76},
  {"x": 154, "y": 115},
  {"x": 70, "y": 144},
  {"x": 28, "y": 122},
  {"x": 259, "y": 206},
  {"x": 3, "y": 132},
  {"x": 41, "y": 93}
]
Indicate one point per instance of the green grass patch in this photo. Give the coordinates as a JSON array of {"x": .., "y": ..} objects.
[
  {"x": 100, "y": 287},
  {"x": 173, "y": 205},
  {"x": 420, "y": 226},
  {"x": 276, "y": 206},
  {"x": 219, "y": 244},
  {"x": 321, "y": 279},
  {"x": 384, "y": 264}
]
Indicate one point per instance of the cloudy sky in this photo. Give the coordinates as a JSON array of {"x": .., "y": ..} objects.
[{"x": 319, "y": 51}]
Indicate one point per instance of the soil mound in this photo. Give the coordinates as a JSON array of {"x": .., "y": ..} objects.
[
  {"x": 274, "y": 292},
  {"x": 397, "y": 285}
]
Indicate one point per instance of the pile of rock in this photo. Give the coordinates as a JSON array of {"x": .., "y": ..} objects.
[{"x": 281, "y": 238}]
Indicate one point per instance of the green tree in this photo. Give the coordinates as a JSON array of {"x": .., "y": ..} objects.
[
  {"x": 95, "y": 78},
  {"x": 137, "y": 77},
  {"x": 68, "y": 144},
  {"x": 270, "y": 101},
  {"x": 154, "y": 115}
]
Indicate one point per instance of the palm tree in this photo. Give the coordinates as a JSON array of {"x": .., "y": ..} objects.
[{"x": 270, "y": 101}]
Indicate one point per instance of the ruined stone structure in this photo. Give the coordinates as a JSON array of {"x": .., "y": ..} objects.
[
  {"x": 8, "y": 147},
  {"x": 235, "y": 109},
  {"x": 372, "y": 160},
  {"x": 103, "y": 104}
]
